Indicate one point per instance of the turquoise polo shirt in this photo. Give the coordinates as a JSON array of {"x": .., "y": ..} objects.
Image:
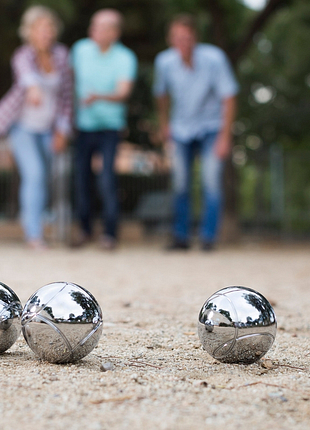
[{"x": 99, "y": 72}]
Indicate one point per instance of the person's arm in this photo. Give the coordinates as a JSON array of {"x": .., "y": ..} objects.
[
  {"x": 161, "y": 92},
  {"x": 163, "y": 105},
  {"x": 223, "y": 143},
  {"x": 23, "y": 64},
  {"x": 27, "y": 77},
  {"x": 63, "y": 125},
  {"x": 226, "y": 88},
  {"x": 12, "y": 101},
  {"x": 121, "y": 95}
]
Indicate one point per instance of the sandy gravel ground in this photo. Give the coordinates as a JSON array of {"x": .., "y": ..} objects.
[{"x": 162, "y": 379}]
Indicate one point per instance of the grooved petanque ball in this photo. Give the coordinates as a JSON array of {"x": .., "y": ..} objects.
[
  {"x": 237, "y": 325},
  {"x": 10, "y": 313},
  {"x": 62, "y": 322}
]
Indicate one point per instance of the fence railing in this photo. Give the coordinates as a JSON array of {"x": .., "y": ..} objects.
[
  {"x": 143, "y": 187},
  {"x": 273, "y": 192}
]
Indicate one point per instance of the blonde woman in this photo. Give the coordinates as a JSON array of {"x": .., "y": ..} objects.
[{"x": 36, "y": 112}]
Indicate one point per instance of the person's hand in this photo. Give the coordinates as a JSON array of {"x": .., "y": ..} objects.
[
  {"x": 59, "y": 142},
  {"x": 164, "y": 133},
  {"x": 92, "y": 98},
  {"x": 223, "y": 146},
  {"x": 34, "y": 96}
]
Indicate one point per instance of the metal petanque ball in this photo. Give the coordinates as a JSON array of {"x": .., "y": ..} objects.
[
  {"x": 237, "y": 325},
  {"x": 10, "y": 313},
  {"x": 62, "y": 322}
]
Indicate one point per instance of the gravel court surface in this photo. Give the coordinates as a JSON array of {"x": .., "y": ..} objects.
[{"x": 161, "y": 378}]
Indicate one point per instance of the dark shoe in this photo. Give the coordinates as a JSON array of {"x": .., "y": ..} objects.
[
  {"x": 178, "y": 245},
  {"x": 80, "y": 240},
  {"x": 207, "y": 246}
]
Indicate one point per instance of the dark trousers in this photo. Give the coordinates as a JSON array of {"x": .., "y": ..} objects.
[{"x": 105, "y": 143}]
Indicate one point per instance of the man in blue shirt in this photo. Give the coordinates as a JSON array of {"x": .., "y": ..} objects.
[
  {"x": 104, "y": 71},
  {"x": 195, "y": 92}
]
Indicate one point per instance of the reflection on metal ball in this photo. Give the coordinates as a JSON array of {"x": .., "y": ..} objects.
[
  {"x": 10, "y": 313},
  {"x": 62, "y": 322},
  {"x": 237, "y": 325}
]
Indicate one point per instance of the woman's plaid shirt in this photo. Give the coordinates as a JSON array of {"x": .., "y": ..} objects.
[{"x": 25, "y": 70}]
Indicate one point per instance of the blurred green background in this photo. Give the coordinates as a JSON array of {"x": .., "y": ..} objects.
[{"x": 268, "y": 179}]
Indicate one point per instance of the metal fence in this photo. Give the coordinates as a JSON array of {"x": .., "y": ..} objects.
[
  {"x": 273, "y": 193},
  {"x": 144, "y": 193},
  {"x": 59, "y": 212}
]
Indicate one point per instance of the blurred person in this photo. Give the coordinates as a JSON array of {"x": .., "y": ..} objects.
[
  {"x": 36, "y": 112},
  {"x": 196, "y": 81},
  {"x": 104, "y": 71}
]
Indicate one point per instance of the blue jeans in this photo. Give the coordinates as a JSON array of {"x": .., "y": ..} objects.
[
  {"x": 32, "y": 152},
  {"x": 211, "y": 172},
  {"x": 88, "y": 143}
]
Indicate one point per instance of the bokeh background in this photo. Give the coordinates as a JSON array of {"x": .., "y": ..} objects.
[{"x": 268, "y": 178}]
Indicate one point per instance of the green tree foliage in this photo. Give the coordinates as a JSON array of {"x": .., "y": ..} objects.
[
  {"x": 269, "y": 50},
  {"x": 275, "y": 77}
]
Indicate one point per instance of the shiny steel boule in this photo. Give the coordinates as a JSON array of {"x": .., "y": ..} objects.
[
  {"x": 237, "y": 325},
  {"x": 10, "y": 313},
  {"x": 62, "y": 322}
]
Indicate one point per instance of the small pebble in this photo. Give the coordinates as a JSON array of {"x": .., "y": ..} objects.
[
  {"x": 278, "y": 395},
  {"x": 105, "y": 366},
  {"x": 54, "y": 378}
]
